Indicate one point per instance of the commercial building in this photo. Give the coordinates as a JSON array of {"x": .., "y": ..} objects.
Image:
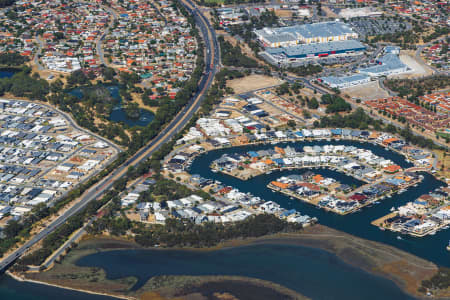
[
  {"x": 387, "y": 65},
  {"x": 345, "y": 81},
  {"x": 308, "y": 33},
  {"x": 316, "y": 50}
]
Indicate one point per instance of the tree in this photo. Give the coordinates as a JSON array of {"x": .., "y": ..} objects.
[
  {"x": 313, "y": 103},
  {"x": 77, "y": 78}
]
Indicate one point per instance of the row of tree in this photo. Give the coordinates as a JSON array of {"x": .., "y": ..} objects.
[
  {"x": 233, "y": 56},
  {"x": 186, "y": 233},
  {"x": 417, "y": 87},
  {"x": 360, "y": 120},
  {"x": 12, "y": 59},
  {"x": 5, "y": 3},
  {"x": 23, "y": 84}
]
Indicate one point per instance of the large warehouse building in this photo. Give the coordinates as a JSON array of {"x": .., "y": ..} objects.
[
  {"x": 315, "y": 50},
  {"x": 305, "y": 34}
]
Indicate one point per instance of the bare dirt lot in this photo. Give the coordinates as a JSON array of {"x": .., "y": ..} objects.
[
  {"x": 418, "y": 68},
  {"x": 282, "y": 13},
  {"x": 252, "y": 82},
  {"x": 367, "y": 91}
]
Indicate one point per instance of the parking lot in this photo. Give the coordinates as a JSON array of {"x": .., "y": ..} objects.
[{"x": 377, "y": 26}]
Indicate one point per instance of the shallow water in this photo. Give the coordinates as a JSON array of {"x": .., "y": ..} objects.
[
  {"x": 11, "y": 289},
  {"x": 312, "y": 272},
  {"x": 6, "y": 74}
]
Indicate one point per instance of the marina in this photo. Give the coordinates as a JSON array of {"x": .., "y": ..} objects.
[
  {"x": 334, "y": 198},
  {"x": 382, "y": 177},
  {"x": 358, "y": 223},
  {"x": 423, "y": 216}
]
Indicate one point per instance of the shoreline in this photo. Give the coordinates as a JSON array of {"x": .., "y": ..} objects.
[
  {"x": 375, "y": 258},
  {"x": 23, "y": 279}
]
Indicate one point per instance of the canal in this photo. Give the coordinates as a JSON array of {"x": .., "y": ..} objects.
[{"x": 430, "y": 247}]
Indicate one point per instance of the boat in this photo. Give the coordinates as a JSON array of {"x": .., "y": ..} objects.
[
  {"x": 399, "y": 237},
  {"x": 448, "y": 246},
  {"x": 382, "y": 228},
  {"x": 392, "y": 208}
]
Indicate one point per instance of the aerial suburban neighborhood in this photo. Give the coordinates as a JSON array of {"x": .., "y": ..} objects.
[{"x": 216, "y": 149}]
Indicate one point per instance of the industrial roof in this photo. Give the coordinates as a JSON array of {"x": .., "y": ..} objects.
[
  {"x": 344, "y": 79},
  {"x": 388, "y": 62},
  {"x": 305, "y": 49},
  {"x": 323, "y": 29}
]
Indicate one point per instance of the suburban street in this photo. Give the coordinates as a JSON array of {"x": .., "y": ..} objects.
[{"x": 183, "y": 117}]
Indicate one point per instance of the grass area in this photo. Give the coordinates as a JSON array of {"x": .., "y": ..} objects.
[
  {"x": 443, "y": 134},
  {"x": 443, "y": 166},
  {"x": 234, "y": 287},
  {"x": 439, "y": 284}
]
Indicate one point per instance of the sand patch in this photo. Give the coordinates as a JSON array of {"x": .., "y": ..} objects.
[
  {"x": 252, "y": 82},
  {"x": 368, "y": 91},
  {"x": 418, "y": 69}
]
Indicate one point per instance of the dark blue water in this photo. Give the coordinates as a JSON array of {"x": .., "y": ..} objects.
[
  {"x": 118, "y": 113},
  {"x": 6, "y": 74},
  {"x": 312, "y": 272},
  {"x": 11, "y": 289},
  {"x": 430, "y": 247}
]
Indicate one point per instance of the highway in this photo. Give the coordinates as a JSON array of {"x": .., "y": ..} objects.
[{"x": 181, "y": 119}]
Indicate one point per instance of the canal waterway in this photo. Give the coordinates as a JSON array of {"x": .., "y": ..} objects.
[
  {"x": 312, "y": 272},
  {"x": 430, "y": 247},
  {"x": 118, "y": 113}
]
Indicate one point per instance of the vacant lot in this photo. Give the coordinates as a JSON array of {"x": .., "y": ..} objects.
[
  {"x": 367, "y": 91},
  {"x": 252, "y": 82},
  {"x": 418, "y": 69}
]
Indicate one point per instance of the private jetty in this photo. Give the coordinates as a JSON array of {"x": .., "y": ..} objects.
[
  {"x": 332, "y": 196},
  {"x": 424, "y": 216},
  {"x": 382, "y": 177}
]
